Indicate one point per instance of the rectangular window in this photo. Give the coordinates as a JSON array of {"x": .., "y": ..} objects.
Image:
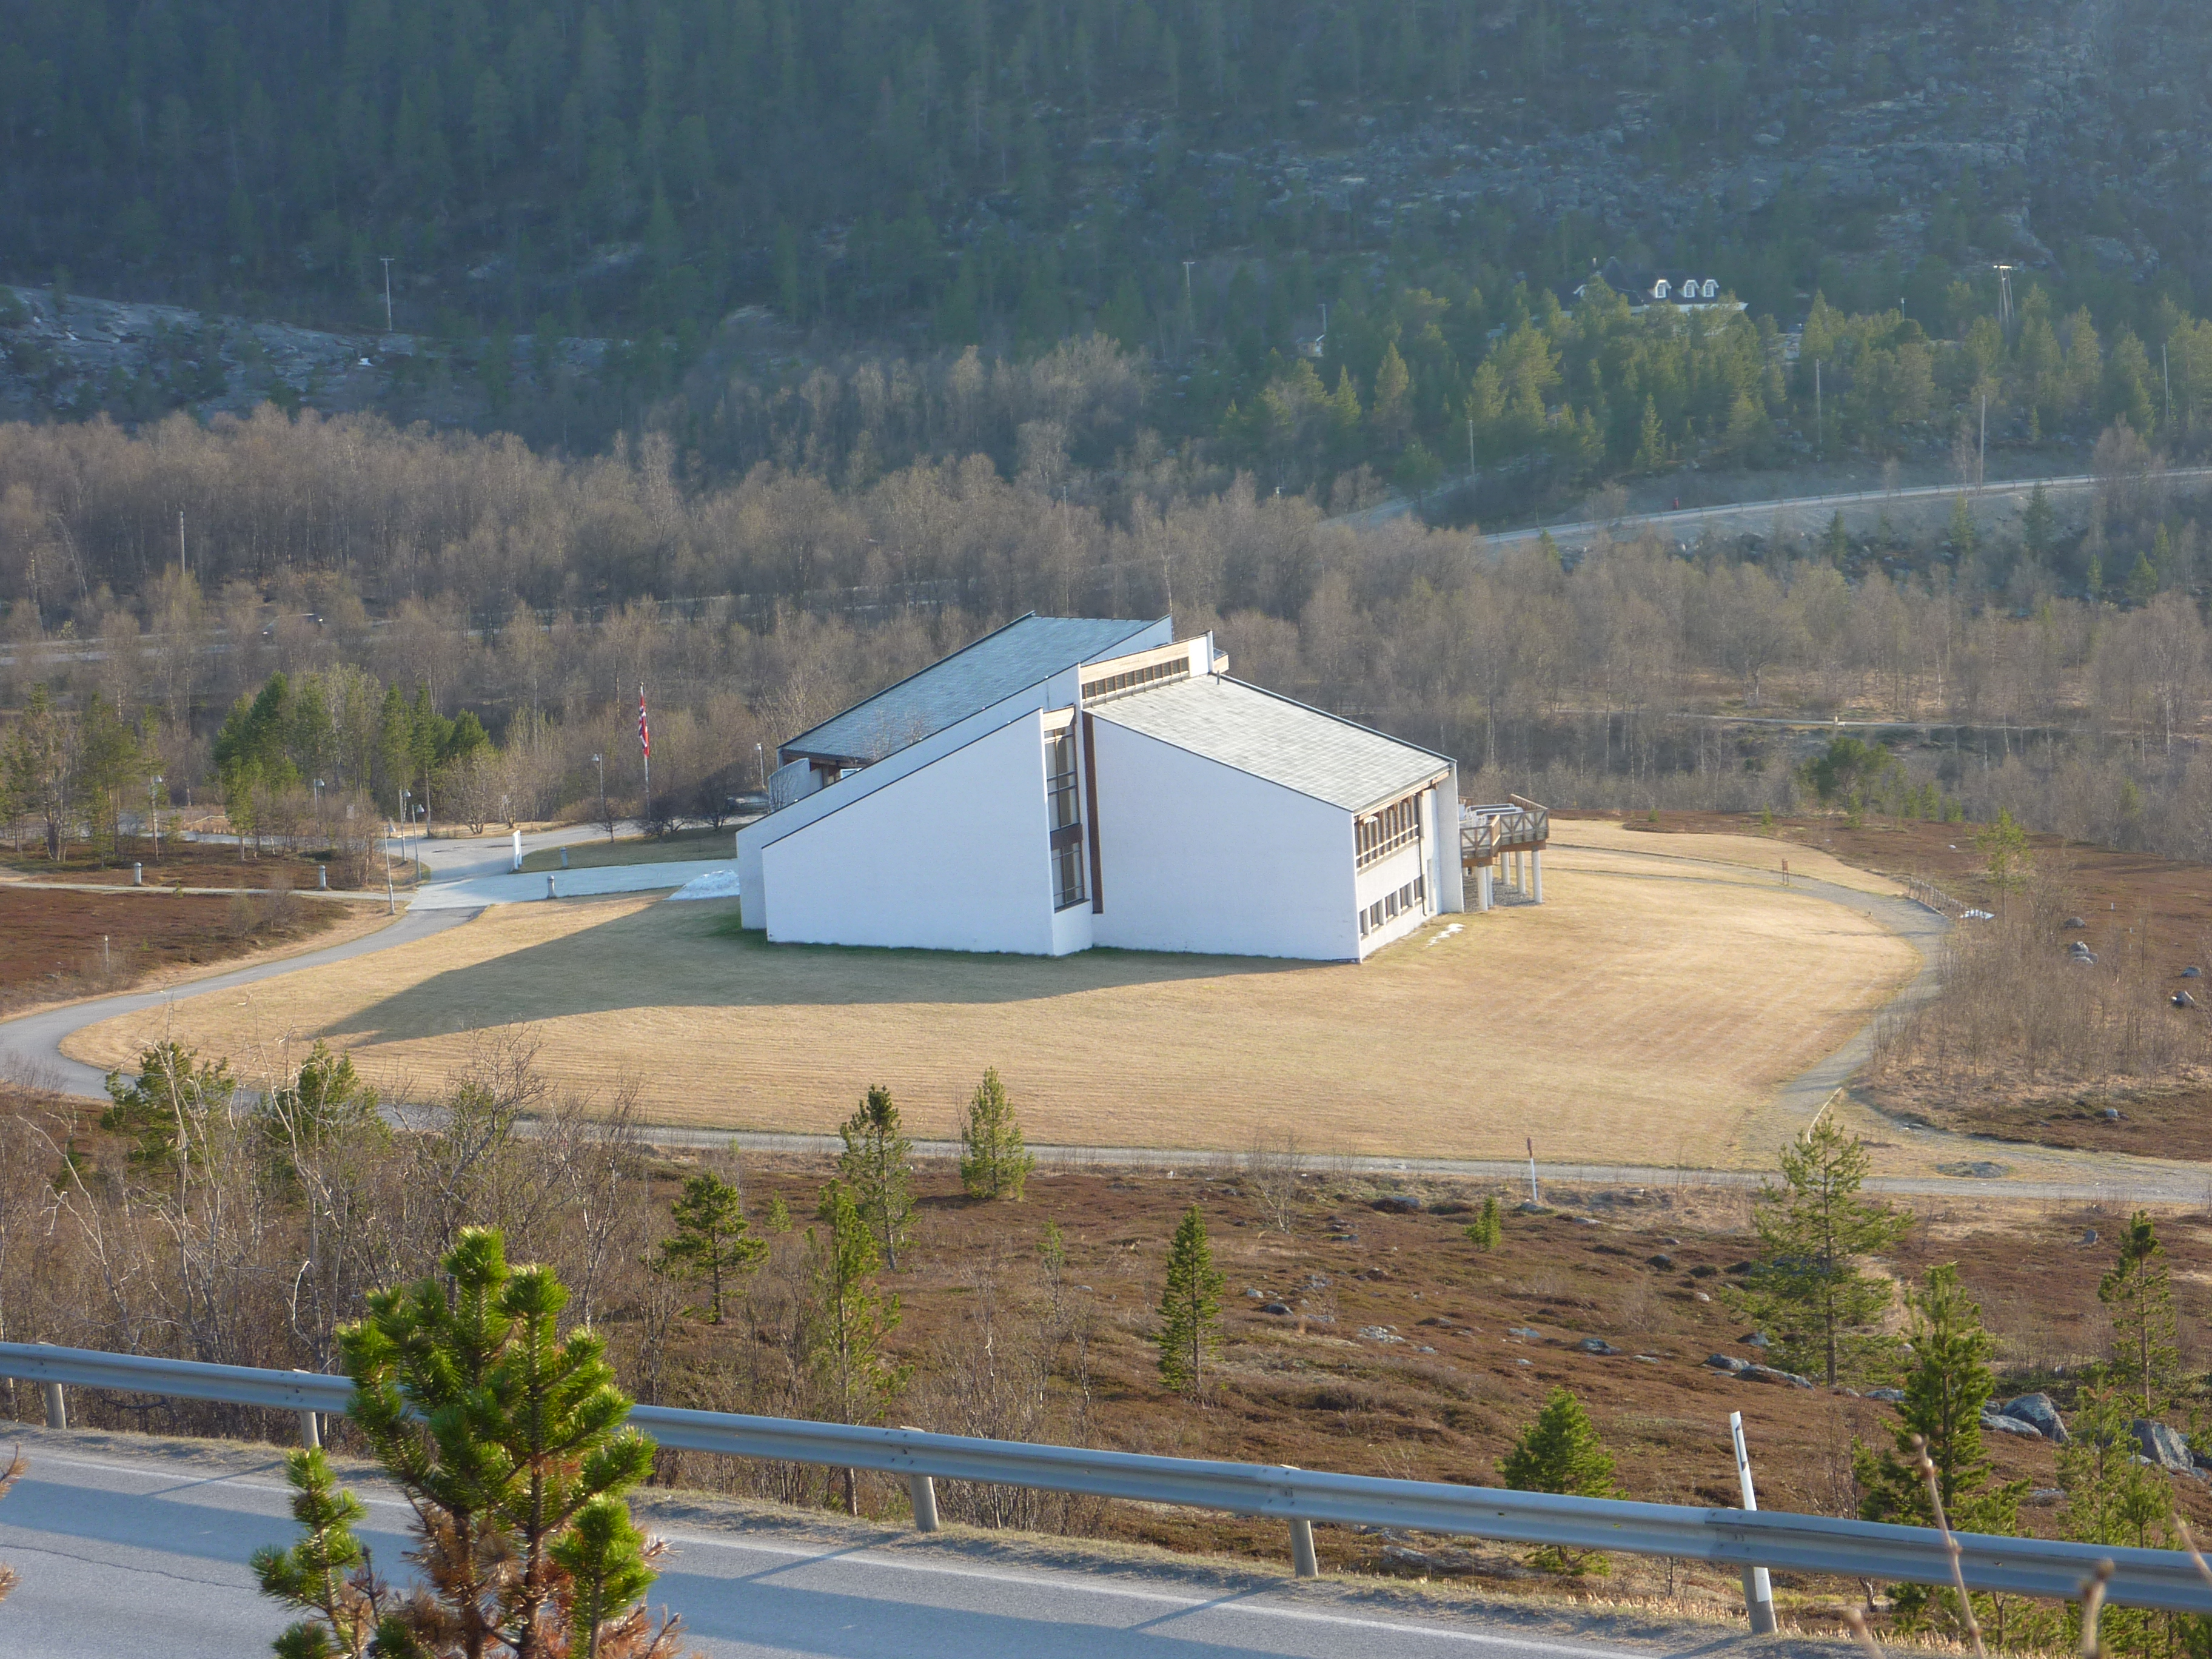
[
  {"x": 1065, "y": 834},
  {"x": 1413, "y": 896},
  {"x": 1381, "y": 833}
]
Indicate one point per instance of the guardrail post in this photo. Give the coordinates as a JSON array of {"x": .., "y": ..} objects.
[
  {"x": 56, "y": 1406},
  {"x": 1757, "y": 1589},
  {"x": 1303, "y": 1562},
  {"x": 311, "y": 1430},
  {"x": 923, "y": 1491}
]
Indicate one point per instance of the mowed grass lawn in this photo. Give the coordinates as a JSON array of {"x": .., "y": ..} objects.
[
  {"x": 1628, "y": 1019},
  {"x": 637, "y": 850}
]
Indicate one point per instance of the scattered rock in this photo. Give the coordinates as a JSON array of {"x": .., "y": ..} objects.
[
  {"x": 2161, "y": 1445},
  {"x": 1380, "y": 1333},
  {"x": 1529, "y": 1206},
  {"x": 2074, "y": 921},
  {"x": 2192, "y": 973},
  {"x": 1527, "y": 1332},
  {"x": 1725, "y": 1362},
  {"x": 1597, "y": 1345},
  {"x": 2043, "y": 1496},
  {"x": 1254, "y": 1294},
  {"x": 1997, "y": 1423},
  {"x": 1277, "y": 1308},
  {"x": 1769, "y": 1373},
  {"x": 1664, "y": 1262},
  {"x": 2088, "y": 1235},
  {"x": 1704, "y": 1270},
  {"x": 2183, "y": 999},
  {"x": 1893, "y": 1395},
  {"x": 2039, "y": 1411},
  {"x": 1980, "y": 1169},
  {"x": 2112, "y": 1115},
  {"x": 1702, "y": 1296},
  {"x": 1449, "y": 1206},
  {"x": 1757, "y": 1340},
  {"x": 1396, "y": 1204}
]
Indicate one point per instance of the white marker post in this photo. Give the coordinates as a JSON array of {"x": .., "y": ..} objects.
[
  {"x": 1757, "y": 1589},
  {"x": 517, "y": 849},
  {"x": 1535, "y": 1196}
]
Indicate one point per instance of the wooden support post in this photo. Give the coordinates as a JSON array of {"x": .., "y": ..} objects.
[{"x": 1536, "y": 877}]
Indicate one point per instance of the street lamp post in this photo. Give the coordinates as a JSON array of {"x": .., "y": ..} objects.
[
  {"x": 603, "y": 818},
  {"x": 406, "y": 823},
  {"x": 760, "y": 757},
  {"x": 154, "y": 812}
]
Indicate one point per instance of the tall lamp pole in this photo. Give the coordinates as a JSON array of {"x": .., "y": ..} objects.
[
  {"x": 154, "y": 812},
  {"x": 602, "y": 765}
]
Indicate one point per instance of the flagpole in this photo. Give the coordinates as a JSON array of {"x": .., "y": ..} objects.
[{"x": 645, "y": 743}]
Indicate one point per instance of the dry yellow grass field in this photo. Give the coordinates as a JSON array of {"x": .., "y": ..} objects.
[
  {"x": 1751, "y": 854},
  {"x": 1642, "y": 1014}
]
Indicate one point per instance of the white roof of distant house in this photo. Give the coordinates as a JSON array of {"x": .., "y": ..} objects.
[
  {"x": 1271, "y": 737},
  {"x": 998, "y": 666}
]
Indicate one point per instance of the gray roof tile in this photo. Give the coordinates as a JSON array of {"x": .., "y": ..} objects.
[
  {"x": 1270, "y": 736},
  {"x": 995, "y": 667}
]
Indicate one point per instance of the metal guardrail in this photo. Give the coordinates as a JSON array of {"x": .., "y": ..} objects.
[{"x": 1723, "y": 1538}]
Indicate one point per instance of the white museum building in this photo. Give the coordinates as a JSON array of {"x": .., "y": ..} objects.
[{"x": 1066, "y": 782}]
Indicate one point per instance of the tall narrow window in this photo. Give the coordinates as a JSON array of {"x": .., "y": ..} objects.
[{"x": 1066, "y": 817}]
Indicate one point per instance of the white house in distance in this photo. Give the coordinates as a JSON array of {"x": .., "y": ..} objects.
[{"x": 1066, "y": 781}]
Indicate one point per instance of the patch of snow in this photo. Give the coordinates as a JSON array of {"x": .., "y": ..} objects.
[
  {"x": 714, "y": 884},
  {"x": 1457, "y": 927}
]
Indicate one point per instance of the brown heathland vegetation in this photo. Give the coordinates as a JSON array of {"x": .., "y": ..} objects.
[{"x": 1629, "y": 1019}]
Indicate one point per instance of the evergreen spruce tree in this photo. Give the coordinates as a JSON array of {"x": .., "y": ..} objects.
[
  {"x": 1487, "y": 1230},
  {"x": 1807, "y": 1292},
  {"x": 507, "y": 1440},
  {"x": 1838, "y": 543},
  {"x": 2139, "y": 1290},
  {"x": 994, "y": 1163},
  {"x": 779, "y": 1215},
  {"x": 1945, "y": 1391},
  {"x": 2038, "y": 525},
  {"x": 1561, "y": 1452},
  {"x": 875, "y": 1165},
  {"x": 710, "y": 1246},
  {"x": 1190, "y": 1307}
]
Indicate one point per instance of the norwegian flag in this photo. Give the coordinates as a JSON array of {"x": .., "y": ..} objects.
[{"x": 644, "y": 734}]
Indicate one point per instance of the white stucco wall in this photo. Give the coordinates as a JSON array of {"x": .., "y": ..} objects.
[
  {"x": 951, "y": 856},
  {"x": 1446, "y": 880},
  {"x": 1059, "y": 691},
  {"x": 1199, "y": 856}
]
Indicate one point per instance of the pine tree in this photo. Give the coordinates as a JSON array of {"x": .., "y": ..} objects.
[
  {"x": 1652, "y": 451},
  {"x": 2139, "y": 1290},
  {"x": 875, "y": 1165},
  {"x": 1838, "y": 545},
  {"x": 328, "y": 1573},
  {"x": 1392, "y": 414},
  {"x": 9, "y": 1477},
  {"x": 2038, "y": 525},
  {"x": 1561, "y": 1452},
  {"x": 2142, "y": 585},
  {"x": 2003, "y": 846},
  {"x": 994, "y": 1163},
  {"x": 1190, "y": 1307},
  {"x": 709, "y": 1247},
  {"x": 506, "y": 1441},
  {"x": 1487, "y": 1230},
  {"x": 845, "y": 1327},
  {"x": 1806, "y": 1287},
  {"x": 2113, "y": 1497},
  {"x": 779, "y": 1215},
  {"x": 1945, "y": 1392}
]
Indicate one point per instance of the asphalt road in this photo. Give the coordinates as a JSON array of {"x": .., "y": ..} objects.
[
  {"x": 1686, "y": 523},
  {"x": 127, "y": 1555}
]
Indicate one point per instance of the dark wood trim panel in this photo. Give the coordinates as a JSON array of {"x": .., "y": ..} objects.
[{"x": 1091, "y": 811}]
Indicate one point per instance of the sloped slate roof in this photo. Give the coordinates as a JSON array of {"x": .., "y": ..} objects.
[
  {"x": 1270, "y": 736},
  {"x": 1028, "y": 649}
]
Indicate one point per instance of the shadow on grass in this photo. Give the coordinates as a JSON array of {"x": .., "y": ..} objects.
[{"x": 648, "y": 959}]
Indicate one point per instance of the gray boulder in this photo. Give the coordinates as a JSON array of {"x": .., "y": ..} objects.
[
  {"x": 2038, "y": 1411},
  {"x": 1723, "y": 1362},
  {"x": 2162, "y": 1445},
  {"x": 1891, "y": 1395},
  {"x": 1997, "y": 1423},
  {"x": 1769, "y": 1373},
  {"x": 1597, "y": 1345}
]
